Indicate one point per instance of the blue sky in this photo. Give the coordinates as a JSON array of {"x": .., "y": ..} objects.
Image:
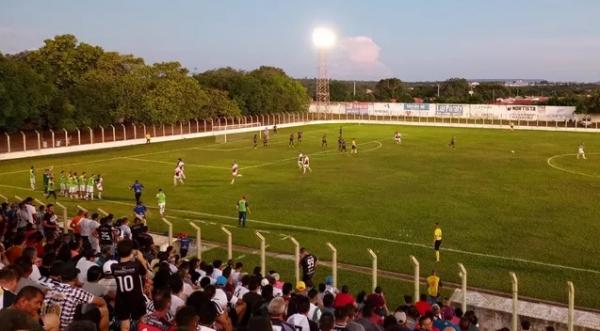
[{"x": 411, "y": 40}]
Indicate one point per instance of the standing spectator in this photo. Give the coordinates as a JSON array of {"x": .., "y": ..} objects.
[
  {"x": 129, "y": 274},
  {"x": 50, "y": 224},
  {"x": 277, "y": 311},
  {"x": 68, "y": 296},
  {"x": 187, "y": 319},
  {"x": 9, "y": 280},
  {"x": 140, "y": 211},
  {"x": 85, "y": 262},
  {"x": 252, "y": 299},
  {"x": 308, "y": 262},
  {"x": 88, "y": 227},
  {"x": 137, "y": 189},
  {"x": 433, "y": 283},
  {"x": 74, "y": 225},
  {"x": 425, "y": 324},
  {"x": 300, "y": 320},
  {"x": 344, "y": 298},
  {"x": 106, "y": 233},
  {"x": 422, "y": 305},
  {"x": 184, "y": 244}
]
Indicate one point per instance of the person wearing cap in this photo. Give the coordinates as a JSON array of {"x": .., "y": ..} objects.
[
  {"x": 220, "y": 296},
  {"x": 108, "y": 281},
  {"x": 401, "y": 318},
  {"x": 329, "y": 288},
  {"x": 300, "y": 288},
  {"x": 68, "y": 296}
]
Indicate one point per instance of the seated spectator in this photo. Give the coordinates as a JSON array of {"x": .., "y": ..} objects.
[
  {"x": 328, "y": 301},
  {"x": 24, "y": 269},
  {"x": 327, "y": 322},
  {"x": 425, "y": 324},
  {"x": 9, "y": 280},
  {"x": 187, "y": 319},
  {"x": 23, "y": 315},
  {"x": 87, "y": 260},
  {"x": 422, "y": 305},
  {"x": 94, "y": 274},
  {"x": 68, "y": 296},
  {"x": 260, "y": 323},
  {"x": 300, "y": 319},
  {"x": 314, "y": 313}
]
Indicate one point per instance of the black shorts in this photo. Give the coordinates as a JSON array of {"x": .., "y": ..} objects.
[
  {"x": 437, "y": 245},
  {"x": 130, "y": 309},
  {"x": 308, "y": 281}
]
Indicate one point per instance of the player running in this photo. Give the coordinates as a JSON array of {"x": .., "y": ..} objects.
[
  {"x": 306, "y": 164},
  {"x": 581, "y": 151},
  {"x": 324, "y": 141},
  {"x": 255, "y": 140},
  {"x": 162, "y": 201},
  {"x": 100, "y": 186},
  {"x": 437, "y": 241},
  {"x": 452, "y": 143},
  {"x": 354, "y": 147},
  {"x": 235, "y": 172},
  {"x": 32, "y": 178},
  {"x": 398, "y": 137},
  {"x": 291, "y": 143}
]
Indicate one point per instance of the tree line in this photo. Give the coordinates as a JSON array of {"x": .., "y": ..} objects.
[{"x": 67, "y": 84}]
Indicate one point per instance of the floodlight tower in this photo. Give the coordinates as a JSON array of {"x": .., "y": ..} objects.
[{"x": 324, "y": 40}]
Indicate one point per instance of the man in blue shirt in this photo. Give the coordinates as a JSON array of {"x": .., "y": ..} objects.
[
  {"x": 140, "y": 211},
  {"x": 137, "y": 188}
]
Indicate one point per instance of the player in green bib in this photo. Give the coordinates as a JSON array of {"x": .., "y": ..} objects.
[
  {"x": 72, "y": 183},
  {"x": 243, "y": 210},
  {"x": 90, "y": 187},
  {"x": 81, "y": 186},
  {"x": 51, "y": 188},
  {"x": 162, "y": 201},
  {"x": 62, "y": 182}
]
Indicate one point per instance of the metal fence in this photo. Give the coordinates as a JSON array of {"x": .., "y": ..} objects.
[{"x": 38, "y": 140}]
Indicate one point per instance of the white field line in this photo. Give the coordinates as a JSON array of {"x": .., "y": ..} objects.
[
  {"x": 393, "y": 241},
  {"x": 340, "y": 233},
  {"x": 191, "y": 165},
  {"x": 549, "y": 161}
]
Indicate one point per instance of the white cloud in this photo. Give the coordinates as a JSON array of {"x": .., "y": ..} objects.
[{"x": 357, "y": 57}]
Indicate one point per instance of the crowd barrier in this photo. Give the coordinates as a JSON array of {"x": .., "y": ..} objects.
[
  {"x": 462, "y": 270},
  {"x": 35, "y": 143}
]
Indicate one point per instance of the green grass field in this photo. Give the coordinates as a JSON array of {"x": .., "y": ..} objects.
[{"x": 500, "y": 211}]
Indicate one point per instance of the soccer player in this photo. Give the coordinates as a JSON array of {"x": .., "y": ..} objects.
[
  {"x": 81, "y": 185},
  {"x": 306, "y": 164},
  {"x": 300, "y": 161},
  {"x": 437, "y": 241},
  {"x": 129, "y": 274},
  {"x": 32, "y": 178},
  {"x": 45, "y": 177},
  {"x": 100, "y": 186},
  {"x": 581, "y": 151},
  {"x": 275, "y": 129},
  {"x": 62, "y": 181},
  {"x": 91, "y": 182},
  {"x": 162, "y": 201},
  {"x": 354, "y": 147},
  {"x": 398, "y": 137},
  {"x": 177, "y": 177},
  {"x": 291, "y": 143},
  {"x": 51, "y": 187},
  {"x": 308, "y": 262},
  {"x": 343, "y": 147},
  {"x": 137, "y": 188},
  {"x": 255, "y": 140},
  {"x": 299, "y": 137},
  {"x": 181, "y": 167},
  {"x": 340, "y": 143},
  {"x": 452, "y": 143},
  {"x": 265, "y": 140},
  {"x": 72, "y": 184},
  {"x": 243, "y": 209},
  {"x": 324, "y": 141},
  {"x": 234, "y": 171},
  {"x": 148, "y": 136}
]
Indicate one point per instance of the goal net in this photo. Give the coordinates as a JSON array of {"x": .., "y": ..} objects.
[{"x": 225, "y": 136}]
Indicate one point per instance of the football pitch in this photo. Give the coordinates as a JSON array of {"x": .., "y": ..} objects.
[{"x": 506, "y": 200}]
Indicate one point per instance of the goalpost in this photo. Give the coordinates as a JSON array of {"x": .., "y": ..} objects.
[{"x": 224, "y": 137}]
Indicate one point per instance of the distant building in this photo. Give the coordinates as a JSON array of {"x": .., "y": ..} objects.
[
  {"x": 518, "y": 83},
  {"x": 527, "y": 100}
]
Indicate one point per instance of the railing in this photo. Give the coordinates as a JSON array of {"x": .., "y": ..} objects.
[
  {"x": 570, "y": 289},
  {"x": 41, "y": 140}
]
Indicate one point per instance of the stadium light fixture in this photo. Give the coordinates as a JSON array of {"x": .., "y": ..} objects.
[{"x": 323, "y": 38}]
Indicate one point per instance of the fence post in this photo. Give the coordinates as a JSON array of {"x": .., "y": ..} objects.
[
  {"x": 153, "y": 130},
  {"x": 18, "y": 198},
  {"x": 463, "y": 276},
  {"x": 374, "y": 267},
  {"x": 172, "y": 129},
  {"x": 163, "y": 129},
  {"x": 24, "y": 141},
  {"x": 39, "y": 139},
  {"x": 229, "y": 243},
  {"x": 102, "y": 211},
  {"x": 134, "y": 130},
  {"x": 263, "y": 253},
  {"x": 39, "y": 202},
  {"x": 204, "y": 122},
  {"x": 296, "y": 258},
  {"x": 417, "y": 279},
  {"x": 91, "y": 135},
  {"x": 197, "y": 125},
  {"x": 125, "y": 133},
  {"x": 66, "y": 137},
  {"x": 198, "y": 240},
  {"x": 181, "y": 128},
  {"x": 7, "y": 141},
  {"x": 102, "y": 132},
  {"x": 3, "y": 198},
  {"x": 515, "y": 300},
  {"x": 189, "y": 126},
  {"x": 145, "y": 132},
  {"x": 170, "y": 233},
  {"x": 81, "y": 208},
  {"x": 333, "y": 263},
  {"x": 114, "y": 132},
  {"x": 571, "y": 313},
  {"x": 65, "y": 217},
  {"x": 78, "y": 136},
  {"x": 212, "y": 126}
]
